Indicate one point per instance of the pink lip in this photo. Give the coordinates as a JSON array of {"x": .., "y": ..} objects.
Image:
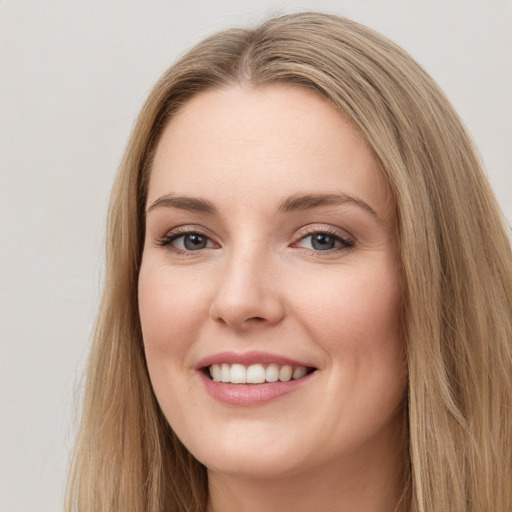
[
  {"x": 246, "y": 395},
  {"x": 248, "y": 358}
]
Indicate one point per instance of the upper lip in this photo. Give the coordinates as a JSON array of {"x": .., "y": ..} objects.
[{"x": 248, "y": 358}]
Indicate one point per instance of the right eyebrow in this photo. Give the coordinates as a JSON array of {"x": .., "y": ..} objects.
[{"x": 191, "y": 204}]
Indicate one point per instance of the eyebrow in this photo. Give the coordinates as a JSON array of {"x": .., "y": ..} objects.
[
  {"x": 294, "y": 203},
  {"x": 303, "y": 202},
  {"x": 191, "y": 204}
]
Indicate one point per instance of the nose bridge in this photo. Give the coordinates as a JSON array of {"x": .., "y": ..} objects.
[{"x": 247, "y": 293}]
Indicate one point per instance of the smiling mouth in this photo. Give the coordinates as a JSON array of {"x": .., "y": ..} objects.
[{"x": 255, "y": 373}]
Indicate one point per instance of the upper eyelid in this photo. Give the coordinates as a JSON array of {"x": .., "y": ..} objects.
[
  {"x": 188, "y": 229},
  {"x": 312, "y": 229},
  {"x": 301, "y": 233}
]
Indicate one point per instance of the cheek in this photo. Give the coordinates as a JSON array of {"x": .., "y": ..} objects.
[
  {"x": 356, "y": 317},
  {"x": 171, "y": 306},
  {"x": 356, "y": 301},
  {"x": 358, "y": 324}
]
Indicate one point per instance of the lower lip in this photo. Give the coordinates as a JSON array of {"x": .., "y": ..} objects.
[{"x": 247, "y": 395}]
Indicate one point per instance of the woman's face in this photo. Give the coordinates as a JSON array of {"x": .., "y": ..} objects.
[{"x": 269, "y": 290}]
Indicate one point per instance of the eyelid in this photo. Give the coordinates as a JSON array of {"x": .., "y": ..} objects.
[
  {"x": 347, "y": 240},
  {"x": 165, "y": 241},
  {"x": 322, "y": 228}
]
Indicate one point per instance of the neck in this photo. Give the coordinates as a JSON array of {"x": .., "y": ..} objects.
[{"x": 371, "y": 482}]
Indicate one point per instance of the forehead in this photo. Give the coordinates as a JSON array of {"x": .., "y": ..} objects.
[{"x": 234, "y": 141}]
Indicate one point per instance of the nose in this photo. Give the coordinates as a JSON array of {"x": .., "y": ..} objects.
[{"x": 248, "y": 295}]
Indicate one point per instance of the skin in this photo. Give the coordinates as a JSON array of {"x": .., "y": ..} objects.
[{"x": 259, "y": 283}]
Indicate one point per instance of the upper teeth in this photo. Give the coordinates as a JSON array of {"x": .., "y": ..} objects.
[{"x": 255, "y": 373}]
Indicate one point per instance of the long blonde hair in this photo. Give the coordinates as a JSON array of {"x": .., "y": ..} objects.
[{"x": 456, "y": 259}]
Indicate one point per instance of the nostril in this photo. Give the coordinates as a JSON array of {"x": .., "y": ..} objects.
[{"x": 255, "y": 321}]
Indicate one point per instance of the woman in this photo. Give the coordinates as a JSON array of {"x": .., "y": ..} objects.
[{"x": 308, "y": 291}]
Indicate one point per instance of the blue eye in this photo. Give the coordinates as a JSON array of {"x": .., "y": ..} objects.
[
  {"x": 191, "y": 241},
  {"x": 323, "y": 241}
]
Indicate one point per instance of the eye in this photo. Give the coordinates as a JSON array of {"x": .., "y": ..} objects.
[
  {"x": 191, "y": 241},
  {"x": 185, "y": 241},
  {"x": 324, "y": 241}
]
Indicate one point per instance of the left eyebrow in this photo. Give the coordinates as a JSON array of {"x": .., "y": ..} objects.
[{"x": 302, "y": 202}]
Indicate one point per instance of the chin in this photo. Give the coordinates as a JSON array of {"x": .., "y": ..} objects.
[
  {"x": 255, "y": 455},
  {"x": 254, "y": 465}
]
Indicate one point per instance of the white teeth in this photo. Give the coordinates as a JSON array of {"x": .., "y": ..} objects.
[
  {"x": 299, "y": 372},
  {"x": 272, "y": 373},
  {"x": 255, "y": 373},
  {"x": 285, "y": 373},
  {"x": 216, "y": 372},
  {"x": 238, "y": 374},
  {"x": 225, "y": 373}
]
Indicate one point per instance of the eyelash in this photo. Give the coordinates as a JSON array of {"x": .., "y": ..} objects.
[
  {"x": 346, "y": 243},
  {"x": 167, "y": 240}
]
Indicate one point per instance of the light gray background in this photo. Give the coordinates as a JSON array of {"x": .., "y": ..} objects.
[{"x": 73, "y": 76}]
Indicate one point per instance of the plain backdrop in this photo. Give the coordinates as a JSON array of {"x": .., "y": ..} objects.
[{"x": 73, "y": 76}]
